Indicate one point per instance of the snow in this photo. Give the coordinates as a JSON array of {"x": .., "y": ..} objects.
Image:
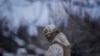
[
  {"x": 19, "y": 41},
  {"x": 21, "y": 51},
  {"x": 32, "y": 30},
  {"x": 96, "y": 12},
  {"x": 35, "y": 14},
  {"x": 44, "y": 17},
  {"x": 8, "y": 54},
  {"x": 23, "y": 15}
]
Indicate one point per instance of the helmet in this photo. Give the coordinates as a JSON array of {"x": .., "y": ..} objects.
[{"x": 50, "y": 29}]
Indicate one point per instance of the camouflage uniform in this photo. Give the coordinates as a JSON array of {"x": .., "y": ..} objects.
[{"x": 60, "y": 45}]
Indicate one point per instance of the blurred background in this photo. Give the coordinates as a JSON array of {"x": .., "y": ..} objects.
[{"x": 22, "y": 23}]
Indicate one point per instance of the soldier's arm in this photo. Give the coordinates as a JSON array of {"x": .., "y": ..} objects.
[{"x": 55, "y": 50}]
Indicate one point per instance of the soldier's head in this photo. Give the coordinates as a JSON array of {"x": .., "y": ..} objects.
[{"x": 50, "y": 32}]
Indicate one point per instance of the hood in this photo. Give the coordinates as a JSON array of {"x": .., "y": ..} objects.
[{"x": 62, "y": 39}]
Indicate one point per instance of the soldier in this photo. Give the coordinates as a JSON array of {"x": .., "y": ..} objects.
[{"x": 60, "y": 45}]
